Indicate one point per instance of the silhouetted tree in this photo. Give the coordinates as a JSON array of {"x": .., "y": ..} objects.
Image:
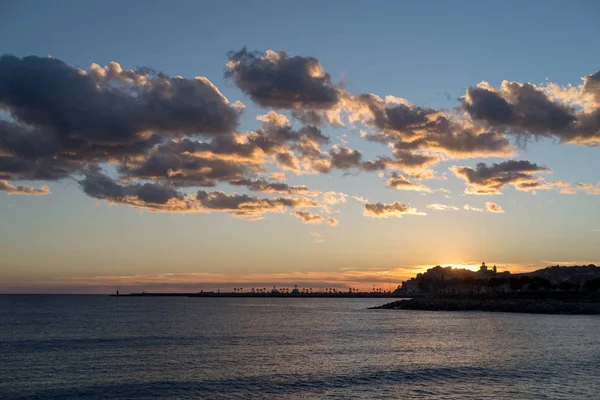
[
  {"x": 592, "y": 286},
  {"x": 538, "y": 283},
  {"x": 567, "y": 286}
]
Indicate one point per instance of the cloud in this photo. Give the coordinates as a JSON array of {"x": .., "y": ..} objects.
[
  {"x": 401, "y": 183},
  {"x": 393, "y": 116},
  {"x": 18, "y": 168},
  {"x": 277, "y": 80},
  {"x": 262, "y": 185},
  {"x": 523, "y": 109},
  {"x": 333, "y": 198},
  {"x": 162, "y": 198},
  {"x": 190, "y": 162},
  {"x": 244, "y": 205},
  {"x": 360, "y": 199},
  {"x": 471, "y": 208},
  {"x": 381, "y": 210},
  {"x": 165, "y": 135},
  {"x": 588, "y": 188},
  {"x": 311, "y": 218},
  {"x": 486, "y": 180},
  {"x": 317, "y": 237},
  {"x": 489, "y": 207},
  {"x": 441, "y": 207},
  {"x": 493, "y": 207},
  {"x": 23, "y": 190},
  {"x": 413, "y": 130},
  {"x": 150, "y": 196},
  {"x": 103, "y": 111},
  {"x": 570, "y": 188}
]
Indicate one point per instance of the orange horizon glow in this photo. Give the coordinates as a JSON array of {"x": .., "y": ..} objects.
[{"x": 341, "y": 280}]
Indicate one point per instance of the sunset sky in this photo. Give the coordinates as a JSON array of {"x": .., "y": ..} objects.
[{"x": 206, "y": 145}]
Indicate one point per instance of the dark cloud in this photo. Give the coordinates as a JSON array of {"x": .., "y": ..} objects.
[
  {"x": 345, "y": 158},
  {"x": 400, "y": 182},
  {"x": 487, "y": 105},
  {"x": 396, "y": 117},
  {"x": 309, "y": 117},
  {"x": 61, "y": 110},
  {"x": 150, "y": 196},
  {"x": 194, "y": 163},
  {"x": 413, "y": 160},
  {"x": 18, "y": 168},
  {"x": 382, "y": 210},
  {"x": 245, "y": 205},
  {"x": 162, "y": 134},
  {"x": 262, "y": 185},
  {"x": 48, "y": 93},
  {"x": 280, "y": 81},
  {"x": 526, "y": 109},
  {"x": 414, "y": 130},
  {"x": 27, "y": 142},
  {"x": 465, "y": 143},
  {"x": 591, "y": 87},
  {"x": 310, "y": 218},
  {"x": 529, "y": 109},
  {"x": 102, "y": 187},
  {"x": 486, "y": 179},
  {"x": 162, "y": 198}
]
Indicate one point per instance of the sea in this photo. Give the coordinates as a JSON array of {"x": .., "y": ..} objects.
[{"x": 101, "y": 347}]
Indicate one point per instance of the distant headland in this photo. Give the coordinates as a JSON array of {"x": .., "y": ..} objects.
[{"x": 552, "y": 290}]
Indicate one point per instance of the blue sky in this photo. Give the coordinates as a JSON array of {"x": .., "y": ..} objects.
[{"x": 428, "y": 53}]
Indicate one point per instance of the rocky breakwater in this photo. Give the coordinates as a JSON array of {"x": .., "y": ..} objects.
[{"x": 497, "y": 304}]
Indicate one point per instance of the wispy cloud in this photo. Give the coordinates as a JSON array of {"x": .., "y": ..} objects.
[{"x": 441, "y": 207}]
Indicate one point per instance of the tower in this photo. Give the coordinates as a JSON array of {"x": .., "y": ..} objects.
[{"x": 483, "y": 268}]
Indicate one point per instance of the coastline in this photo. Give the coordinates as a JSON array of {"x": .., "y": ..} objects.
[
  {"x": 359, "y": 295},
  {"x": 510, "y": 304}
]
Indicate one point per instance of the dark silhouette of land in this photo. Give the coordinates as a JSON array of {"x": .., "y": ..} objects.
[
  {"x": 552, "y": 290},
  {"x": 280, "y": 292},
  {"x": 269, "y": 294}
]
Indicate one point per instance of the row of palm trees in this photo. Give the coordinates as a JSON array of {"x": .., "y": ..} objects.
[{"x": 307, "y": 290}]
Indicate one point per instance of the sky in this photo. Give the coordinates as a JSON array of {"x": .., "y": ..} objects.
[{"x": 190, "y": 146}]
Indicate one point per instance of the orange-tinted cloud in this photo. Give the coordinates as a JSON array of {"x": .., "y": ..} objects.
[
  {"x": 166, "y": 134},
  {"x": 397, "y": 210},
  {"x": 312, "y": 218},
  {"x": 23, "y": 190},
  {"x": 486, "y": 180},
  {"x": 401, "y": 183},
  {"x": 547, "y": 111},
  {"x": 493, "y": 207},
  {"x": 441, "y": 207}
]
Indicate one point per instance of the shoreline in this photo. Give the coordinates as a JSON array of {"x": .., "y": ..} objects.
[
  {"x": 271, "y": 295},
  {"x": 497, "y": 304}
]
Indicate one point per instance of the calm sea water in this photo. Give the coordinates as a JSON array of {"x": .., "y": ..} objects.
[{"x": 96, "y": 347}]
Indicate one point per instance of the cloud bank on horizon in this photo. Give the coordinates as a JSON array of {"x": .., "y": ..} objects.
[{"x": 171, "y": 139}]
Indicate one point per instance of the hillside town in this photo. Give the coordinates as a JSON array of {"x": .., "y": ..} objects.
[{"x": 448, "y": 280}]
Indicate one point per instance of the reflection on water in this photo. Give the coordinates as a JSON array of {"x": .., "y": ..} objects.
[{"x": 92, "y": 347}]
